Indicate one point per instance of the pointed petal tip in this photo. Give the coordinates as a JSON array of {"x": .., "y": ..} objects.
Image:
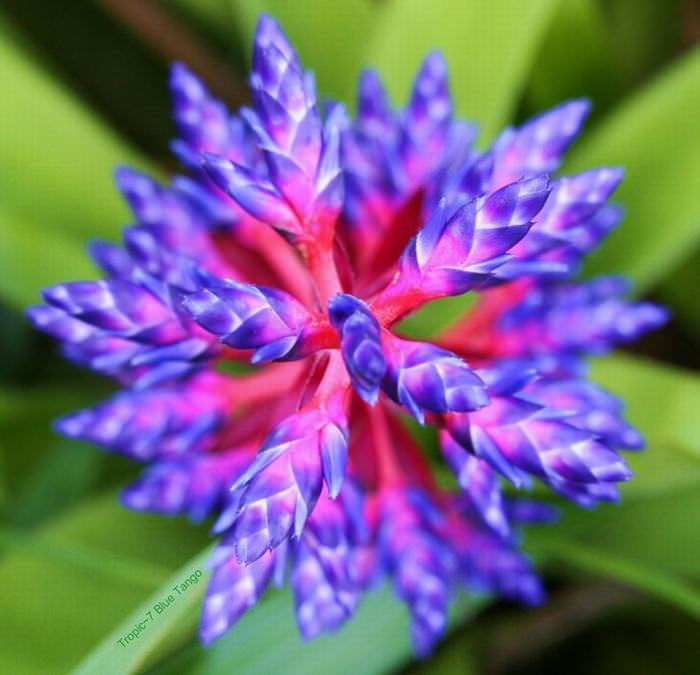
[
  {"x": 221, "y": 170},
  {"x": 124, "y": 173},
  {"x": 184, "y": 84},
  {"x": 435, "y": 63},
  {"x": 369, "y": 396},
  {"x": 179, "y": 71},
  {"x": 269, "y": 33},
  {"x": 37, "y": 314},
  {"x": 266, "y": 24}
]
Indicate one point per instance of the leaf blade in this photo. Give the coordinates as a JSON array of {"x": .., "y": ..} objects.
[
  {"x": 652, "y": 135},
  {"x": 594, "y": 560}
]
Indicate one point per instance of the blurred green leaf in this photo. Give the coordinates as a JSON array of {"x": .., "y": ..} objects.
[
  {"x": 35, "y": 254},
  {"x": 651, "y": 523},
  {"x": 100, "y": 65},
  {"x": 34, "y": 456},
  {"x": 578, "y": 27},
  {"x": 652, "y": 530},
  {"x": 654, "y": 136},
  {"x": 489, "y": 47},
  {"x": 676, "y": 292},
  {"x": 600, "y": 562},
  {"x": 63, "y": 474},
  {"x": 375, "y": 641},
  {"x": 57, "y": 160},
  {"x": 56, "y": 188},
  {"x": 436, "y": 316},
  {"x": 647, "y": 33},
  {"x": 112, "y": 656},
  {"x": 455, "y": 656},
  {"x": 662, "y": 400},
  {"x": 71, "y": 581}
]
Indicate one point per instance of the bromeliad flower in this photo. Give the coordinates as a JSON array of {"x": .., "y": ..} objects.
[{"x": 299, "y": 242}]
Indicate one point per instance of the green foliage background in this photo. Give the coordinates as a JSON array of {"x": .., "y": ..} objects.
[{"x": 83, "y": 89}]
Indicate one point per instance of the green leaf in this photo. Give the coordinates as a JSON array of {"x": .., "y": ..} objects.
[
  {"x": 579, "y": 27},
  {"x": 34, "y": 255},
  {"x": 662, "y": 400},
  {"x": 436, "y": 316},
  {"x": 653, "y": 530},
  {"x": 674, "y": 292},
  {"x": 48, "y": 472},
  {"x": 64, "y": 473},
  {"x": 653, "y": 136},
  {"x": 600, "y": 562},
  {"x": 57, "y": 160},
  {"x": 117, "y": 655},
  {"x": 71, "y": 581},
  {"x": 647, "y": 33},
  {"x": 375, "y": 641},
  {"x": 56, "y": 188},
  {"x": 100, "y": 66},
  {"x": 489, "y": 47}
]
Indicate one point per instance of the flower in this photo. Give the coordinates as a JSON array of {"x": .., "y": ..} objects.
[{"x": 298, "y": 242}]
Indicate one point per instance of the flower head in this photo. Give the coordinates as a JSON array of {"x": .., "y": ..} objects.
[{"x": 298, "y": 242}]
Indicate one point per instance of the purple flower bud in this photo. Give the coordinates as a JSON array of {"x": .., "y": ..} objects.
[
  {"x": 117, "y": 307},
  {"x": 424, "y": 377},
  {"x": 58, "y": 324},
  {"x": 520, "y": 438},
  {"x": 539, "y": 144},
  {"x": 179, "y": 218},
  {"x": 277, "y": 493},
  {"x": 421, "y": 566},
  {"x": 426, "y": 123},
  {"x": 490, "y": 564},
  {"x": 253, "y": 193},
  {"x": 459, "y": 248},
  {"x": 480, "y": 483},
  {"x": 202, "y": 121},
  {"x": 287, "y": 124},
  {"x": 589, "y": 408},
  {"x": 249, "y": 317},
  {"x": 114, "y": 260},
  {"x": 323, "y": 577},
  {"x": 234, "y": 588},
  {"x": 155, "y": 423},
  {"x": 529, "y": 511},
  {"x": 131, "y": 327},
  {"x": 375, "y": 117},
  {"x": 574, "y": 219},
  {"x": 474, "y": 177},
  {"x": 360, "y": 342},
  {"x": 573, "y": 317},
  {"x": 194, "y": 484}
]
